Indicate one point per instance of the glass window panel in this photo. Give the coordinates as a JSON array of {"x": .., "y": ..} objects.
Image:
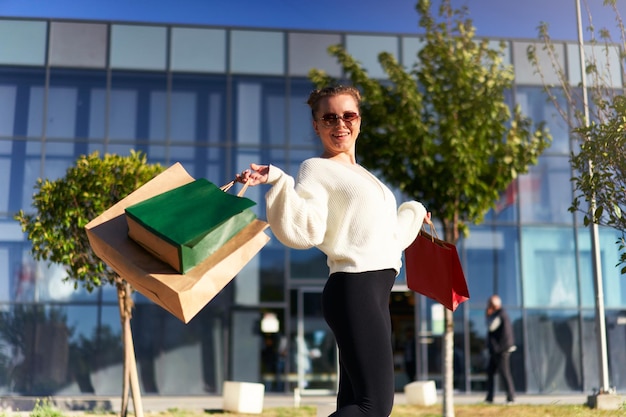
[
  {"x": 491, "y": 264},
  {"x": 410, "y": 48},
  {"x": 21, "y": 90},
  {"x": 301, "y": 132},
  {"x": 198, "y": 50},
  {"x": 614, "y": 286},
  {"x": 35, "y": 112},
  {"x": 366, "y": 49},
  {"x": 260, "y": 111},
  {"x": 32, "y": 171},
  {"x": 137, "y": 108},
  {"x": 6, "y": 275},
  {"x": 553, "y": 351},
  {"x": 8, "y": 94},
  {"x": 74, "y": 44},
  {"x": 5, "y": 185},
  {"x": 616, "y": 340},
  {"x": 534, "y": 103},
  {"x": 204, "y": 162},
  {"x": 525, "y": 72},
  {"x": 28, "y": 42},
  {"x": 310, "y": 50},
  {"x": 606, "y": 60},
  {"x": 198, "y": 107},
  {"x": 184, "y": 110},
  {"x": 545, "y": 192},
  {"x": 39, "y": 339},
  {"x": 257, "y": 52},
  {"x": 308, "y": 264},
  {"x": 272, "y": 275},
  {"x": 590, "y": 350},
  {"x": 61, "y": 112},
  {"x": 549, "y": 267},
  {"x": 138, "y": 47},
  {"x": 97, "y": 113},
  {"x": 123, "y": 114},
  {"x": 76, "y": 104},
  {"x": 158, "y": 115}
]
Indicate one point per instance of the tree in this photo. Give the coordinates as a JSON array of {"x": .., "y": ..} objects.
[
  {"x": 443, "y": 132},
  {"x": 57, "y": 231},
  {"x": 595, "y": 114},
  {"x": 605, "y": 184}
]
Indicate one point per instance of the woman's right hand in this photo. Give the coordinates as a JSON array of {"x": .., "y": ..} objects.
[{"x": 257, "y": 174}]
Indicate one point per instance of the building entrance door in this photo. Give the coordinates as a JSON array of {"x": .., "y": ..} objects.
[{"x": 314, "y": 345}]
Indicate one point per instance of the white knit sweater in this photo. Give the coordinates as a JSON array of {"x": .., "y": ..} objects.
[{"x": 343, "y": 210}]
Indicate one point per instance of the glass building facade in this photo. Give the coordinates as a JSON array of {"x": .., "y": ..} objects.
[{"x": 216, "y": 99}]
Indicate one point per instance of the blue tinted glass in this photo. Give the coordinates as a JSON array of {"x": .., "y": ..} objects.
[
  {"x": 198, "y": 109},
  {"x": 260, "y": 110},
  {"x": 545, "y": 192},
  {"x": 137, "y": 108},
  {"x": 21, "y": 95},
  {"x": 549, "y": 267},
  {"x": 491, "y": 264},
  {"x": 535, "y": 104},
  {"x": 553, "y": 349}
]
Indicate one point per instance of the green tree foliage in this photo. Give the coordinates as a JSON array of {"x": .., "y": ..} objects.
[
  {"x": 605, "y": 183},
  {"x": 599, "y": 159},
  {"x": 442, "y": 131},
  {"x": 64, "y": 206}
]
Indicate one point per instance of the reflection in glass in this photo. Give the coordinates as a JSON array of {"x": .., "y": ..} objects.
[
  {"x": 545, "y": 192},
  {"x": 549, "y": 267},
  {"x": 490, "y": 255},
  {"x": 534, "y": 104},
  {"x": 553, "y": 347}
]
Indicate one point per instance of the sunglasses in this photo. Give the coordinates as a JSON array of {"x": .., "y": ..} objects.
[{"x": 332, "y": 119}]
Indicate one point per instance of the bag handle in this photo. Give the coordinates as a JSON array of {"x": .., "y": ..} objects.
[
  {"x": 228, "y": 186},
  {"x": 433, "y": 232}
]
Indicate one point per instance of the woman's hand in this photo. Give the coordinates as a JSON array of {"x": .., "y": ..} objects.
[
  {"x": 257, "y": 174},
  {"x": 427, "y": 218}
]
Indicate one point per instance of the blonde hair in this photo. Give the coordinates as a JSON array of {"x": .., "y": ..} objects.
[{"x": 317, "y": 95}]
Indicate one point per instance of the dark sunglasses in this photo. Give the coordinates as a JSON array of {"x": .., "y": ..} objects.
[{"x": 332, "y": 119}]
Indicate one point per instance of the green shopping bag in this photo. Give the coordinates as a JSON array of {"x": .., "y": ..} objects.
[{"x": 187, "y": 224}]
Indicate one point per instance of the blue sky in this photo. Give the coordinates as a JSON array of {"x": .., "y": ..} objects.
[{"x": 492, "y": 18}]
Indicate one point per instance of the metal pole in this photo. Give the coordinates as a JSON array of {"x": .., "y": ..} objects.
[{"x": 595, "y": 242}]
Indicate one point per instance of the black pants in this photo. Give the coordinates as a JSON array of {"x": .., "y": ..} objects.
[
  {"x": 356, "y": 307},
  {"x": 500, "y": 364}
]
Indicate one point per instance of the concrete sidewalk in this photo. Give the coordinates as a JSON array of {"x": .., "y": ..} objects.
[{"x": 271, "y": 400}]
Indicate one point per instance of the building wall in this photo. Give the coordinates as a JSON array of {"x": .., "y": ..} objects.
[{"x": 216, "y": 99}]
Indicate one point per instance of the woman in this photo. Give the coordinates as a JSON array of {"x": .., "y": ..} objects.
[{"x": 339, "y": 207}]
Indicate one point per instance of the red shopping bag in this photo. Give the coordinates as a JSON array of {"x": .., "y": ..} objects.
[{"x": 433, "y": 268}]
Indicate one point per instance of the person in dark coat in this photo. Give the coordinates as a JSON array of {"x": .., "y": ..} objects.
[{"x": 500, "y": 342}]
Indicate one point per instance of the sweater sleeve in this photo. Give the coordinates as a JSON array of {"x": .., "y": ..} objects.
[
  {"x": 410, "y": 219},
  {"x": 296, "y": 213}
]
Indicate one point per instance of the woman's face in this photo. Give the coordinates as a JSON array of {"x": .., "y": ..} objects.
[{"x": 337, "y": 123}]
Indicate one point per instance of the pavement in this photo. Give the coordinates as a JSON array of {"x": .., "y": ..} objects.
[{"x": 82, "y": 404}]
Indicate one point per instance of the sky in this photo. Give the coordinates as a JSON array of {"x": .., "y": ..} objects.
[{"x": 511, "y": 19}]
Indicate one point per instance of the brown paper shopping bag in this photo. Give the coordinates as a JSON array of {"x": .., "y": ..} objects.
[
  {"x": 433, "y": 268},
  {"x": 182, "y": 295}
]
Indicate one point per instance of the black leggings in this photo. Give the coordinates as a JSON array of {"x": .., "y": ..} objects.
[{"x": 356, "y": 307}]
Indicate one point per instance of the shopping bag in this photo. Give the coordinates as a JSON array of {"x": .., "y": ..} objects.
[
  {"x": 433, "y": 268},
  {"x": 183, "y": 295},
  {"x": 185, "y": 225}
]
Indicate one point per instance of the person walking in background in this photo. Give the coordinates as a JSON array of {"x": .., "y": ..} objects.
[
  {"x": 341, "y": 208},
  {"x": 500, "y": 342}
]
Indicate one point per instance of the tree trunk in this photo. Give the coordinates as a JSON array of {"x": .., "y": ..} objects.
[
  {"x": 448, "y": 365},
  {"x": 125, "y": 303},
  {"x": 451, "y": 235}
]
